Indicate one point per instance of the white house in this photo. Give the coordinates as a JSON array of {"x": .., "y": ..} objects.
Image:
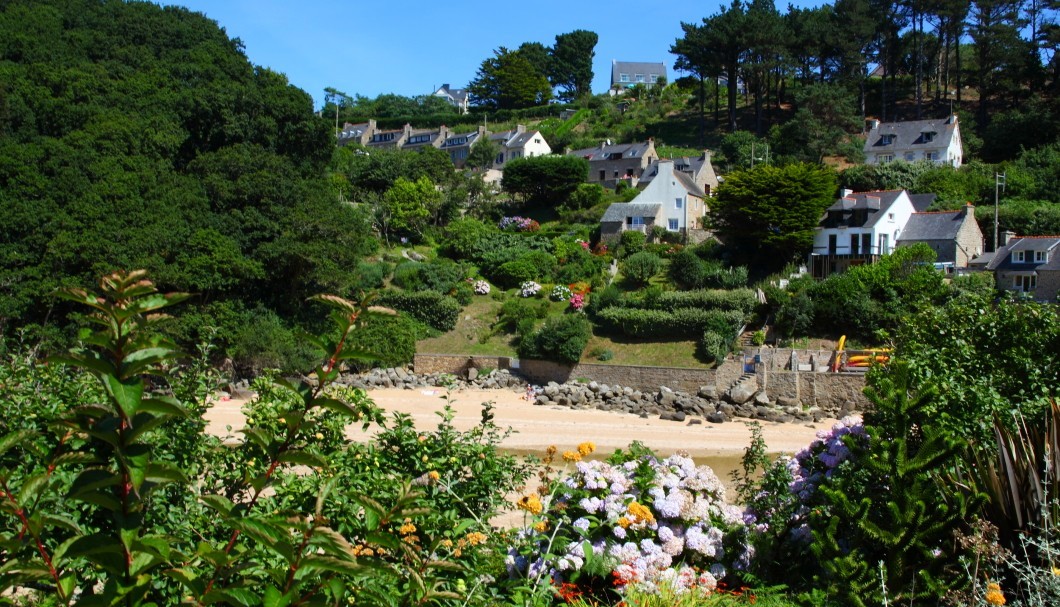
[
  {"x": 859, "y": 228},
  {"x": 519, "y": 143},
  {"x": 672, "y": 200},
  {"x": 456, "y": 97},
  {"x": 935, "y": 140}
]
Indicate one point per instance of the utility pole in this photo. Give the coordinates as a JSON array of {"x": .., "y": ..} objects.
[{"x": 999, "y": 184}]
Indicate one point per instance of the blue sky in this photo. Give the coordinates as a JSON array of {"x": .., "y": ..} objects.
[{"x": 410, "y": 47}]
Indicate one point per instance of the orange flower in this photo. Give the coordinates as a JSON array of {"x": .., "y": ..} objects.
[
  {"x": 530, "y": 503},
  {"x": 475, "y": 538},
  {"x": 541, "y": 526},
  {"x": 994, "y": 596},
  {"x": 586, "y": 448},
  {"x": 640, "y": 512},
  {"x": 433, "y": 474},
  {"x": 572, "y": 456}
]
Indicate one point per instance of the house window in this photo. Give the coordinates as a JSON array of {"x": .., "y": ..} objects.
[
  {"x": 603, "y": 174},
  {"x": 890, "y": 216},
  {"x": 886, "y": 139},
  {"x": 623, "y": 77},
  {"x": 1018, "y": 257},
  {"x": 909, "y": 156},
  {"x": 383, "y": 137},
  {"x": 885, "y": 158},
  {"x": 1025, "y": 282},
  {"x": 419, "y": 139},
  {"x": 932, "y": 156},
  {"x": 1040, "y": 257},
  {"x": 654, "y": 78},
  {"x": 636, "y": 223},
  {"x": 853, "y": 244},
  {"x": 640, "y": 77},
  {"x": 885, "y": 247},
  {"x": 680, "y": 202},
  {"x": 928, "y": 136},
  {"x": 673, "y": 224},
  {"x": 866, "y": 243},
  {"x": 499, "y": 159},
  {"x": 832, "y": 244}
]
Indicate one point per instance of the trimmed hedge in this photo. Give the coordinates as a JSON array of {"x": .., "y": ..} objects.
[
  {"x": 561, "y": 339},
  {"x": 680, "y": 323},
  {"x": 429, "y": 307},
  {"x": 743, "y": 300}
]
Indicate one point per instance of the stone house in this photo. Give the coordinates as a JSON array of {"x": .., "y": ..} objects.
[
  {"x": 936, "y": 140},
  {"x": 672, "y": 200},
  {"x": 1028, "y": 264},
  {"x": 610, "y": 163},
  {"x": 955, "y": 236},
  {"x": 698, "y": 168}
]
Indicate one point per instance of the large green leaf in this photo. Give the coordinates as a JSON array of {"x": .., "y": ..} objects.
[{"x": 126, "y": 394}]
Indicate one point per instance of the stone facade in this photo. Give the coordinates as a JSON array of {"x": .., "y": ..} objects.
[
  {"x": 639, "y": 378},
  {"x": 426, "y": 364}
]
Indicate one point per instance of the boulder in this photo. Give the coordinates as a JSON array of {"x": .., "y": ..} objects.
[
  {"x": 708, "y": 392},
  {"x": 717, "y": 417},
  {"x": 788, "y": 401},
  {"x": 762, "y": 398},
  {"x": 472, "y": 373},
  {"x": 741, "y": 394}
]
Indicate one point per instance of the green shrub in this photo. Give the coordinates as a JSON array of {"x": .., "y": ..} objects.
[
  {"x": 632, "y": 242},
  {"x": 370, "y": 276},
  {"x": 429, "y": 307},
  {"x": 713, "y": 347},
  {"x": 462, "y": 236},
  {"x": 604, "y": 298},
  {"x": 744, "y": 300},
  {"x": 390, "y": 339},
  {"x": 586, "y": 196},
  {"x": 561, "y": 339},
  {"x": 265, "y": 342},
  {"x": 689, "y": 271},
  {"x": 442, "y": 275},
  {"x": 517, "y": 309},
  {"x": 759, "y": 338},
  {"x": 641, "y": 267},
  {"x": 531, "y": 265}
]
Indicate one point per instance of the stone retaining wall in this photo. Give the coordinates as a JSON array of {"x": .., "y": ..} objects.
[
  {"x": 636, "y": 377},
  {"x": 426, "y": 364}
]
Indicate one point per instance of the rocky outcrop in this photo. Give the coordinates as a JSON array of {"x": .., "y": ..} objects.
[{"x": 665, "y": 403}]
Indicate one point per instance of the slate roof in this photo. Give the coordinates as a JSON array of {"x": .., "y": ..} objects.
[
  {"x": 874, "y": 204},
  {"x": 618, "y": 211},
  {"x": 932, "y": 226},
  {"x": 454, "y": 140},
  {"x": 922, "y": 202},
  {"x": 457, "y": 96},
  {"x": 682, "y": 165},
  {"x": 686, "y": 180},
  {"x": 636, "y": 67},
  {"x": 1003, "y": 257},
  {"x": 605, "y": 152},
  {"x": 911, "y": 135}
]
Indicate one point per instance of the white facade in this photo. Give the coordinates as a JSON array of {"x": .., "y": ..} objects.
[
  {"x": 880, "y": 230},
  {"x": 682, "y": 206},
  {"x": 937, "y": 141}
]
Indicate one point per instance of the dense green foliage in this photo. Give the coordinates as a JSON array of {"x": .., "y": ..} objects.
[
  {"x": 639, "y": 268},
  {"x": 561, "y": 338},
  {"x": 432, "y": 308},
  {"x": 767, "y": 214},
  {"x": 509, "y": 80},
  {"x": 127, "y": 114},
  {"x": 545, "y": 180}
]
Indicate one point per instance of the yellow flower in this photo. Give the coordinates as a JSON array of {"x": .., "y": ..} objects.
[
  {"x": 1056, "y": 571},
  {"x": 541, "y": 526},
  {"x": 640, "y": 512},
  {"x": 586, "y": 448},
  {"x": 407, "y": 528},
  {"x": 530, "y": 503},
  {"x": 447, "y": 543},
  {"x": 476, "y": 537},
  {"x": 433, "y": 475},
  {"x": 319, "y": 436},
  {"x": 571, "y": 456},
  {"x": 994, "y": 596},
  {"x": 624, "y": 522}
]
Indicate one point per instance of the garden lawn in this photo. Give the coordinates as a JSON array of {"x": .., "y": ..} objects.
[
  {"x": 472, "y": 333},
  {"x": 633, "y": 351}
]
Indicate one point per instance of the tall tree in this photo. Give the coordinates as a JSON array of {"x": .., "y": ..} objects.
[
  {"x": 698, "y": 59},
  {"x": 571, "y": 65},
  {"x": 725, "y": 35},
  {"x": 508, "y": 80},
  {"x": 764, "y": 36},
  {"x": 768, "y": 214}
]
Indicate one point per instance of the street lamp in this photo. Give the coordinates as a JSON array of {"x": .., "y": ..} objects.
[{"x": 999, "y": 184}]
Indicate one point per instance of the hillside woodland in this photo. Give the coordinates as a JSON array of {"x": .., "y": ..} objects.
[{"x": 168, "y": 206}]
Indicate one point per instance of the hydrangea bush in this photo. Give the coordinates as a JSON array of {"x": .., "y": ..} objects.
[
  {"x": 519, "y": 224},
  {"x": 634, "y": 521},
  {"x": 577, "y": 302},
  {"x": 482, "y": 287},
  {"x": 529, "y": 288},
  {"x": 560, "y": 293}
]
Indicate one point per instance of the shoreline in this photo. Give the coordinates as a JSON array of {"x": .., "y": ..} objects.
[{"x": 536, "y": 427}]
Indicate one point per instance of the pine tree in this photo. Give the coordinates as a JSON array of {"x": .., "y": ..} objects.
[{"x": 890, "y": 524}]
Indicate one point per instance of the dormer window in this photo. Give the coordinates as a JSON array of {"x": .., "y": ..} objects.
[
  {"x": 928, "y": 136},
  {"x": 886, "y": 139},
  {"x": 640, "y": 77},
  {"x": 623, "y": 77},
  {"x": 1041, "y": 256},
  {"x": 419, "y": 139},
  {"x": 1019, "y": 257}
]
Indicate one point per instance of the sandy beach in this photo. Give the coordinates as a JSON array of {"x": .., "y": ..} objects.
[{"x": 538, "y": 427}]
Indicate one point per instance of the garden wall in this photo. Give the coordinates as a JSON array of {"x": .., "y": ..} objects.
[{"x": 836, "y": 393}]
